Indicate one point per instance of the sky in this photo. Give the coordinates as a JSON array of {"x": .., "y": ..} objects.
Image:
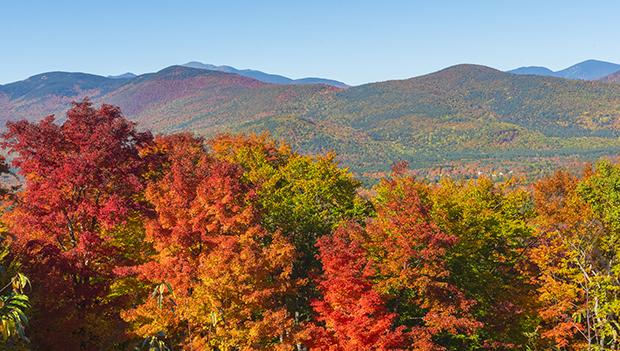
[{"x": 352, "y": 41}]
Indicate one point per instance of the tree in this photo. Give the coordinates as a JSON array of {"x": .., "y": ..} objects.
[
  {"x": 577, "y": 258},
  {"x": 230, "y": 277},
  {"x": 350, "y": 315},
  {"x": 489, "y": 261},
  {"x": 302, "y": 196},
  {"x": 82, "y": 181},
  {"x": 239, "y": 302},
  {"x": 409, "y": 251}
]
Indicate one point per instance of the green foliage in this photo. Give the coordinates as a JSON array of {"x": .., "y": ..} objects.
[
  {"x": 491, "y": 224},
  {"x": 13, "y": 307},
  {"x": 308, "y": 196},
  {"x": 14, "y": 303},
  {"x": 602, "y": 191},
  {"x": 153, "y": 343}
]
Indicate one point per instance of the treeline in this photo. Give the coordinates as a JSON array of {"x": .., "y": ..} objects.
[{"x": 118, "y": 240}]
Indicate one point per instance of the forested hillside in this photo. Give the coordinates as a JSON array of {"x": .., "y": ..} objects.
[
  {"x": 488, "y": 120},
  {"x": 613, "y": 78},
  {"x": 114, "y": 239}
]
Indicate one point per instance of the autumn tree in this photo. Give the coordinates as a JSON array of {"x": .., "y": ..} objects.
[
  {"x": 577, "y": 258},
  {"x": 82, "y": 180},
  {"x": 489, "y": 261},
  {"x": 302, "y": 196},
  {"x": 350, "y": 315},
  {"x": 410, "y": 250},
  {"x": 228, "y": 276}
]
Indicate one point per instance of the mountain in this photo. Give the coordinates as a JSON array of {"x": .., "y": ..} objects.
[
  {"x": 58, "y": 84},
  {"x": 533, "y": 70},
  {"x": 586, "y": 70},
  {"x": 612, "y": 78},
  {"x": 465, "y": 118},
  {"x": 127, "y": 75},
  {"x": 464, "y": 114},
  {"x": 265, "y": 77},
  {"x": 589, "y": 70},
  {"x": 50, "y": 93}
]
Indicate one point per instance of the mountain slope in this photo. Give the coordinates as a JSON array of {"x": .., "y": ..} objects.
[
  {"x": 586, "y": 70},
  {"x": 59, "y": 84},
  {"x": 462, "y": 115},
  {"x": 473, "y": 112},
  {"x": 589, "y": 70},
  {"x": 181, "y": 98},
  {"x": 550, "y": 105},
  {"x": 265, "y": 77},
  {"x": 612, "y": 78},
  {"x": 151, "y": 90},
  {"x": 50, "y": 93}
]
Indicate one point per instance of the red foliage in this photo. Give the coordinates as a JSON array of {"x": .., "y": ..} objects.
[
  {"x": 351, "y": 314},
  {"x": 81, "y": 179}
]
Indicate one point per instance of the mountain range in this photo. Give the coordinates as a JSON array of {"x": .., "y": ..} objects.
[
  {"x": 465, "y": 118},
  {"x": 265, "y": 77},
  {"x": 587, "y": 70}
]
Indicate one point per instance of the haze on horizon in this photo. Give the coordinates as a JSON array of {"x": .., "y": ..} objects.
[{"x": 351, "y": 41}]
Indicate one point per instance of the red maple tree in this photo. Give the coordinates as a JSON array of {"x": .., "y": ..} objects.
[
  {"x": 81, "y": 180},
  {"x": 350, "y": 314}
]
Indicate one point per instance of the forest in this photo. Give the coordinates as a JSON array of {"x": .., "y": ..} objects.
[{"x": 113, "y": 238}]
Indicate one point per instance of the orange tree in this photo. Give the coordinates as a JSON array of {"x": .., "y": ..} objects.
[
  {"x": 226, "y": 278},
  {"x": 302, "y": 196}
]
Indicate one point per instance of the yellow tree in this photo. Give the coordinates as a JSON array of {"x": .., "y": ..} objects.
[{"x": 577, "y": 256}]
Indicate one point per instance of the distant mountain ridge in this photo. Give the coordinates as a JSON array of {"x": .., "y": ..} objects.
[
  {"x": 127, "y": 75},
  {"x": 265, "y": 77},
  {"x": 586, "y": 70},
  {"x": 534, "y": 70},
  {"x": 59, "y": 84}
]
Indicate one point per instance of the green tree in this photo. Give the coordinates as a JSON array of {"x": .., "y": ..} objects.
[
  {"x": 489, "y": 259},
  {"x": 303, "y": 196}
]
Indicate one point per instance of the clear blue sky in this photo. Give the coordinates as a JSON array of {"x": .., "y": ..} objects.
[{"x": 353, "y": 41}]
